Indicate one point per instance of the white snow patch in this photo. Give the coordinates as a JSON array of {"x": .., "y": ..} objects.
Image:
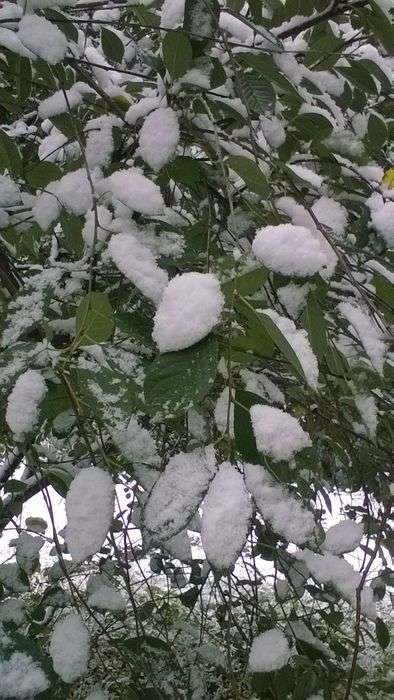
[
  {"x": 139, "y": 265},
  {"x": 159, "y": 137},
  {"x": 24, "y": 402},
  {"x": 290, "y": 250},
  {"x": 69, "y": 648},
  {"x": 278, "y": 434},
  {"x": 343, "y": 537},
  {"x": 269, "y": 652}
]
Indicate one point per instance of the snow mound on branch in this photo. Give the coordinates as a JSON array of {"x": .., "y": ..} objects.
[
  {"x": 24, "y": 402},
  {"x": 104, "y": 219},
  {"x": 72, "y": 191},
  {"x": 278, "y": 434},
  {"x": 331, "y": 214},
  {"x": 21, "y": 677},
  {"x": 89, "y": 508},
  {"x": 284, "y": 512},
  {"x": 159, "y": 137},
  {"x": 172, "y": 13},
  {"x": 328, "y": 568},
  {"x": 43, "y": 38},
  {"x": 191, "y": 306},
  {"x": 107, "y": 598},
  {"x": 177, "y": 494},
  {"x": 368, "y": 410},
  {"x": 343, "y": 537},
  {"x": 288, "y": 249},
  {"x": 69, "y": 648},
  {"x": 136, "y": 443},
  {"x": 9, "y": 192},
  {"x": 139, "y": 265},
  {"x": 382, "y": 220},
  {"x": 269, "y": 652},
  {"x": 299, "y": 341},
  {"x": 367, "y": 331},
  {"x": 226, "y": 517},
  {"x": 134, "y": 190}
]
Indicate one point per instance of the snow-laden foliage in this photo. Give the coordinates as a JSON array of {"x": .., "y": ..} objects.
[{"x": 196, "y": 222}]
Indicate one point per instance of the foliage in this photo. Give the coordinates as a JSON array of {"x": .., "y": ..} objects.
[{"x": 271, "y": 113}]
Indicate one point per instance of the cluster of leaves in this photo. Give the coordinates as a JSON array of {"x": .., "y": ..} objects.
[{"x": 68, "y": 311}]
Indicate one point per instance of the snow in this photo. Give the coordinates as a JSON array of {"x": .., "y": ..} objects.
[
  {"x": 21, "y": 677},
  {"x": 383, "y": 222},
  {"x": 284, "y": 512},
  {"x": 269, "y": 652},
  {"x": 307, "y": 175},
  {"x": 367, "y": 331},
  {"x": 43, "y": 38},
  {"x": 139, "y": 265},
  {"x": 27, "y": 550},
  {"x": 278, "y": 434},
  {"x": 12, "y": 610},
  {"x": 328, "y": 568},
  {"x": 177, "y": 494},
  {"x": 298, "y": 340},
  {"x": 343, "y": 537},
  {"x": 107, "y": 598},
  {"x": 275, "y": 246},
  {"x": 226, "y": 517},
  {"x": 273, "y": 131},
  {"x": 293, "y": 297},
  {"x": 331, "y": 214},
  {"x": 136, "y": 443},
  {"x": 9, "y": 192},
  {"x": 99, "y": 140},
  {"x": 24, "y": 402},
  {"x": 260, "y": 384},
  {"x": 61, "y": 101},
  {"x": 368, "y": 411},
  {"x": 300, "y": 631},
  {"x": 97, "y": 693},
  {"x": 172, "y": 13},
  {"x": 89, "y": 508},
  {"x": 134, "y": 190},
  {"x": 72, "y": 191},
  {"x": 190, "y": 308},
  {"x": 104, "y": 218},
  {"x": 141, "y": 108},
  {"x": 159, "y": 137},
  {"x": 221, "y": 413},
  {"x": 31, "y": 5},
  {"x": 69, "y": 648}
]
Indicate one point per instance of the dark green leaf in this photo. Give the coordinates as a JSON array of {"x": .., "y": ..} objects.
[
  {"x": 112, "y": 46},
  {"x": 94, "y": 319},
  {"x": 256, "y": 92},
  {"x": 312, "y": 126},
  {"x": 10, "y": 158},
  {"x": 244, "y": 436},
  {"x": 382, "y": 633},
  {"x": 251, "y": 174},
  {"x": 177, "y": 53},
  {"x": 176, "y": 381},
  {"x": 40, "y": 175}
]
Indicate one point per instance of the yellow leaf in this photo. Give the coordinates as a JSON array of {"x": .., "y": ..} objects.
[{"x": 388, "y": 178}]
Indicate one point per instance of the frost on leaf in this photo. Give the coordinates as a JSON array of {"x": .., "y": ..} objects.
[
  {"x": 226, "y": 516},
  {"x": 89, "y": 508},
  {"x": 269, "y": 652},
  {"x": 69, "y": 648},
  {"x": 190, "y": 308},
  {"x": 278, "y": 434},
  {"x": 283, "y": 511},
  {"x": 176, "y": 495}
]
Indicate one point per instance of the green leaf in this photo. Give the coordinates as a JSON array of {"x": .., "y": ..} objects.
[
  {"x": 187, "y": 171},
  {"x": 24, "y": 78},
  {"x": 65, "y": 124},
  {"x": 177, "y": 53},
  {"x": 63, "y": 23},
  {"x": 10, "y": 158},
  {"x": 176, "y": 381},
  {"x": 112, "y": 46},
  {"x": 201, "y": 19},
  {"x": 281, "y": 343},
  {"x": 72, "y": 226},
  {"x": 94, "y": 319},
  {"x": 246, "y": 284},
  {"x": 382, "y": 633},
  {"x": 265, "y": 66},
  {"x": 358, "y": 76},
  {"x": 15, "y": 486},
  {"x": 40, "y": 175},
  {"x": 251, "y": 174},
  {"x": 316, "y": 327},
  {"x": 245, "y": 442},
  {"x": 257, "y": 92},
  {"x": 381, "y": 26},
  {"x": 312, "y": 126},
  {"x": 377, "y": 132}
]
